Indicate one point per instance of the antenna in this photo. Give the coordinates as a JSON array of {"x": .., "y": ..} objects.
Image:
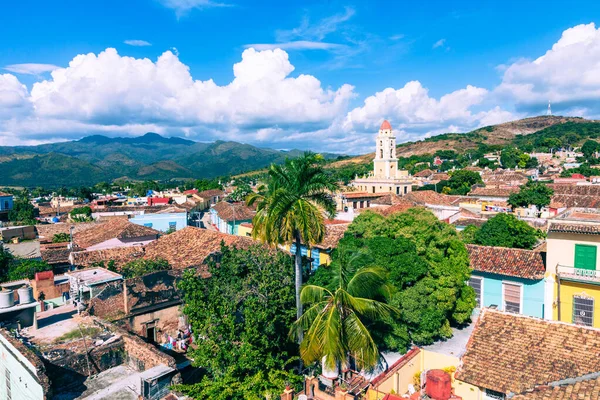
[{"x": 549, "y": 108}]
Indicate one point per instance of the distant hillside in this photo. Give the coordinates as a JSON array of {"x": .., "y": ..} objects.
[
  {"x": 152, "y": 156},
  {"x": 514, "y": 132}
]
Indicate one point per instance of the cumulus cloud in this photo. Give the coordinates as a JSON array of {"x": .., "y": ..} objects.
[
  {"x": 13, "y": 97},
  {"x": 110, "y": 90},
  {"x": 568, "y": 75},
  {"x": 296, "y": 45},
  {"x": 30, "y": 68},
  {"x": 439, "y": 43},
  {"x": 137, "y": 43}
]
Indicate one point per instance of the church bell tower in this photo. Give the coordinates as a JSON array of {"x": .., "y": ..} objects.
[{"x": 385, "y": 164}]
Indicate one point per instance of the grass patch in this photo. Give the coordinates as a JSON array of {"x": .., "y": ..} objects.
[{"x": 88, "y": 331}]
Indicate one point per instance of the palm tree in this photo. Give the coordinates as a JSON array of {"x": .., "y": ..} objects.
[
  {"x": 290, "y": 208},
  {"x": 335, "y": 324}
]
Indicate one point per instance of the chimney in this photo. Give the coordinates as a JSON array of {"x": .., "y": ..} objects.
[{"x": 288, "y": 393}]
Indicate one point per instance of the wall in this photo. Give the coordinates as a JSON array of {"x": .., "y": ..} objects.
[
  {"x": 561, "y": 248},
  {"x": 28, "y": 380},
  {"x": 324, "y": 255},
  {"x": 244, "y": 230},
  {"x": 51, "y": 291},
  {"x": 569, "y": 289},
  {"x": 532, "y": 293},
  {"x": 160, "y": 222},
  {"x": 166, "y": 321},
  {"x": 6, "y": 203}
]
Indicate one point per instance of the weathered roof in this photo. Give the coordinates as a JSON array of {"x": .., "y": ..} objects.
[
  {"x": 515, "y": 353},
  {"x": 424, "y": 174},
  {"x": 434, "y": 198},
  {"x": 575, "y": 196},
  {"x": 48, "y": 231},
  {"x": 233, "y": 211},
  {"x": 4, "y": 194},
  {"x": 55, "y": 255},
  {"x": 118, "y": 228},
  {"x": 478, "y": 222},
  {"x": 493, "y": 191},
  {"x": 207, "y": 194},
  {"x": 333, "y": 234},
  {"x": 573, "y": 227},
  {"x": 94, "y": 276},
  {"x": 519, "y": 263},
  {"x": 360, "y": 195},
  {"x": 583, "y": 388}
]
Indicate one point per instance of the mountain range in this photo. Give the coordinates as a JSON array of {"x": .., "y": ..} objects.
[{"x": 151, "y": 156}]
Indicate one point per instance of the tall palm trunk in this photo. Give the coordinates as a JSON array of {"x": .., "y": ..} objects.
[{"x": 298, "y": 278}]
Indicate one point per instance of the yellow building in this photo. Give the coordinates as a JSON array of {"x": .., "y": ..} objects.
[
  {"x": 386, "y": 177},
  {"x": 572, "y": 263},
  {"x": 245, "y": 229},
  {"x": 320, "y": 253}
]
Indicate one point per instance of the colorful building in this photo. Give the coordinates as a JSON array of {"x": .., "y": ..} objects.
[
  {"x": 508, "y": 279},
  {"x": 320, "y": 253},
  {"x": 228, "y": 217},
  {"x": 6, "y": 204},
  {"x": 573, "y": 262}
]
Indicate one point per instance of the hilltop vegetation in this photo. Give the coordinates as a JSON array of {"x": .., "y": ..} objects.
[{"x": 150, "y": 157}]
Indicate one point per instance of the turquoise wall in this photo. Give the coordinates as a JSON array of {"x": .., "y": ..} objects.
[{"x": 533, "y": 292}]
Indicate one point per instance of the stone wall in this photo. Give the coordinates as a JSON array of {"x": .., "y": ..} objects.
[{"x": 109, "y": 303}]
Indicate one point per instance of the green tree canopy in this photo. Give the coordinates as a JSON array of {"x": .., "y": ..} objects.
[
  {"x": 532, "y": 193},
  {"x": 241, "y": 317},
  {"x": 460, "y": 181},
  {"x": 428, "y": 266},
  {"x": 25, "y": 269},
  {"x": 589, "y": 148},
  {"x": 335, "y": 322},
  {"x": 142, "y": 267},
  {"x": 505, "y": 230},
  {"x": 22, "y": 212}
]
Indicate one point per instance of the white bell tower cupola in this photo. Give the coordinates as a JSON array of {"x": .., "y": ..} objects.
[{"x": 385, "y": 164}]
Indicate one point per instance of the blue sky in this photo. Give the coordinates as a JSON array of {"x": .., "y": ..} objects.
[{"x": 429, "y": 67}]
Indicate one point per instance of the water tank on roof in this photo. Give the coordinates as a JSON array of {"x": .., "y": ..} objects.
[
  {"x": 7, "y": 298},
  {"x": 439, "y": 384},
  {"x": 25, "y": 295},
  {"x": 329, "y": 373},
  {"x": 55, "y": 220}
]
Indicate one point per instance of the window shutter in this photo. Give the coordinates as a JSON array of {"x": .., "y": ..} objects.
[
  {"x": 585, "y": 257},
  {"x": 512, "y": 297}
]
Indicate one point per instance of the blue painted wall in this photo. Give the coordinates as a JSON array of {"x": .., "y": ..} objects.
[
  {"x": 161, "y": 222},
  {"x": 6, "y": 203},
  {"x": 533, "y": 293}
]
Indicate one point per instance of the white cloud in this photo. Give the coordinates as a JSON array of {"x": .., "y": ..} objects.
[
  {"x": 13, "y": 97},
  {"x": 439, "y": 43},
  {"x": 568, "y": 75},
  {"x": 296, "y": 45},
  {"x": 317, "y": 31},
  {"x": 397, "y": 37},
  {"x": 30, "y": 68},
  {"x": 137, "y": 43},
  {"x": 113, "y": 93},
  {"x": 182, "y": 7}
]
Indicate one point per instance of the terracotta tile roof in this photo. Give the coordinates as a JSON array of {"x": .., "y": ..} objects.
[
  {"x": 473, "y": 168},
  {"x": 493, "y": 192},
  {"x": 333, "y": 234},
  {"x": 424, "y": 174},
  {"x": 233, "y": 211},
  {"x": 440, "y": 177},
  {"x": 45, "y": 210},
  {"x": 207, "y": 194},
  {"x": 573, "y": 227},
  {"x": 434, "y": 198},
  {"x": 190, "y": 246},
  {"x": 360, "y": 195},
  {"x": 55, "y": 255},
  {"x": 587, "y": 196},
  {"x": 47, "y": 231},
  {"x": 120, "y": 256},
  {"x": 514, "y": 353},
  {"x": 478, "y": 222},
  {"x": 579, "y": 389},
  {"x": 504, "y": 177},
  {"x": 4, "y": 194},
  {"x": 391, "y": 199},
  {"x": 520, "y": 263},
  {"x": 114, "y": 228}
]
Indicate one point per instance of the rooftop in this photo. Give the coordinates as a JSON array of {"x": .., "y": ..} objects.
[
  {"x": 520, "y": 263},
  {"x": 233, "y": 211},
  {"x": 94, "y": 276},
  {"x": 493, "y": 192},
  {"x": 119, "y": 228},
  {"x": 515, "y": 353}
]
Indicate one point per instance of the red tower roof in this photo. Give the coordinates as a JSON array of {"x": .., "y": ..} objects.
[{"x": 385, "y": 125}]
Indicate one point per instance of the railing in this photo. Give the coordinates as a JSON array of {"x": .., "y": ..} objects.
[{"x": 587, "y": 275}]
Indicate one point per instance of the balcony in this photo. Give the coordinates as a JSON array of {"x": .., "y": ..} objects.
[{"x": 570, "y": 273}]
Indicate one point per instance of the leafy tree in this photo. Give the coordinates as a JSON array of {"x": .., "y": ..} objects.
[
  {"x": 81, "y": 214},
  {"x": 510, "y": 157},
  {"x": 241, "y": 317},
  {"x": 532, "y": 193},
  {"x": 206, "y": 184},
  {"x": 241, "y": 192},
  {"x": 589, "y": 148},
  {"x": 428, "y": 266},
  {"x": 468, "y": 234},
  {"x": 460, "y": 181},
  {"x": 22, "y": 212},
  {"x": 61, "y": 237},
  {"x": 141, "y": 188},
  {"x": 335, "y": 322},
  {"x": 26, "y": 269},
  {"x": 6, "y": 259},
  {"x": 142, "y": 267},
  {"x": 505, "y": 230},
  {"x": 290, "y": 209}
]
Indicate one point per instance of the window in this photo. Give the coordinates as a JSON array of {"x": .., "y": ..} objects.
[
  {"x": 583, "y": 311},
  {"x": 493, "y": 395},
  {"x": 585, "y": 257},
  {"x": 476, "y": 283},
  {"x": 6, "y": 204},
  {"x": 511, "y": 295},
  {"x": 381, "y": 153},
  {"x": 405, "y": 189}
]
